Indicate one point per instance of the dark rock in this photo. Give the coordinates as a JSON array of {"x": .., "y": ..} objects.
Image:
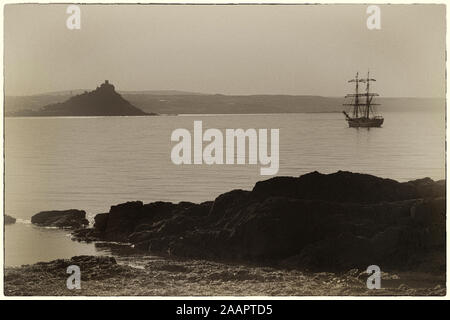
[
  {"x": 91, "y": 267},
  {"x": 121, "y": 220},
  {"x": 342, "y": 186},
  {"x": 62, "y": 219},
  {"x": 84, "y": 262},
  {"x": 9, "y": 219},
  {"x": 240, "y": 275},
  {"x": 165, "y": 266},
  {"x": 427, "y": 188},
  {"x": 343, "y": 252},
  {"x": 86, "y": 234},
  {"x": 328, "y": 222},
  {"x": 132, "y": 219},
  {"x": 227, "y": 202},
  {"x": 100, "y": 221},
  {"x": 429, "y": 212}
]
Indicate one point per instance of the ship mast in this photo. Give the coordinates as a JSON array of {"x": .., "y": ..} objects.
[
  {"x": 368, "y": 95},
  {"x": 356, "y": 95},
  {"x": 356, "y": 108},
  {"x": 362, "y": 105},
  {"x": 364, "y": 112}
]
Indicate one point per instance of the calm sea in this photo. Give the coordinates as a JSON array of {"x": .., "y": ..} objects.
[{"x": 93, "y": 163}]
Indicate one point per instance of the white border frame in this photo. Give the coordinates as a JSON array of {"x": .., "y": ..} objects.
[{"x": 187, "y": 298}]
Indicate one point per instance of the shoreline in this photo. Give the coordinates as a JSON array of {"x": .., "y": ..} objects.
[
  {"x": 213, "y": 114},
  {"x": 298, "y": 222},
  {"x": 103, "y": 276},
  {"x": 331, "y": 225}
]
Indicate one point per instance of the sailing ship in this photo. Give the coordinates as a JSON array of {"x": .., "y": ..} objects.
[{"x": 363, "y": 114}]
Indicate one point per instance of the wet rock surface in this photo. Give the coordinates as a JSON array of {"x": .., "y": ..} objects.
[
  {"x": 318, "y": 222},
  {"x": 61, "y": 219},
  {"x": 9, "y": 219},
  {"x": 153, "y": 276}
]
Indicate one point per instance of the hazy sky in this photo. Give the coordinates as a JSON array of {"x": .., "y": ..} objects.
[{"x": 301, "y": 49}]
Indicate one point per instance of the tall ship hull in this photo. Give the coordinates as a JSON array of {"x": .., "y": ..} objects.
[
  {"x": 375, "y": 122},
  {"x": 362, "y": 114}
]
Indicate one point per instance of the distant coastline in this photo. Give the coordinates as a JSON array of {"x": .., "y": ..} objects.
[{"x": 171, "y": 102}]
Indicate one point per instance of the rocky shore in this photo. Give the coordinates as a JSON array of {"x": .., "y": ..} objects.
[
  {"x": 104, "y": 276},
  {"x": 318, "y": 222},
  {"x": 310, "y": 235},
  {"x": 61, "y": 218}
]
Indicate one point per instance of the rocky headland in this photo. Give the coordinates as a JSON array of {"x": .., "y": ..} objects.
[
  {"x": 310, "y": 235},
  {"x": 103, "y": 101},
  {"x": 317, "y": 222}
]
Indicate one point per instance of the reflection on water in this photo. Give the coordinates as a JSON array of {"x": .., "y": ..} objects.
[{"x": 28, "y": 244}]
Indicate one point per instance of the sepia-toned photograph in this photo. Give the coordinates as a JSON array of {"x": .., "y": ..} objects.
[{"x": 224, "y": 150}]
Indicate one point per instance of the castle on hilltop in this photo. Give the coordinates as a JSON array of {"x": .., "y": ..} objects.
[
  {"x": 106, "y": 86},
  {"x": 103, "y": 101}
]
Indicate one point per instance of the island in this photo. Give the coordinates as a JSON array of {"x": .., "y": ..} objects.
[
  {"x": 103, "y": 101},
  {"x": 9, "y": 219},
  {"x": 61, "y": 218}
]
